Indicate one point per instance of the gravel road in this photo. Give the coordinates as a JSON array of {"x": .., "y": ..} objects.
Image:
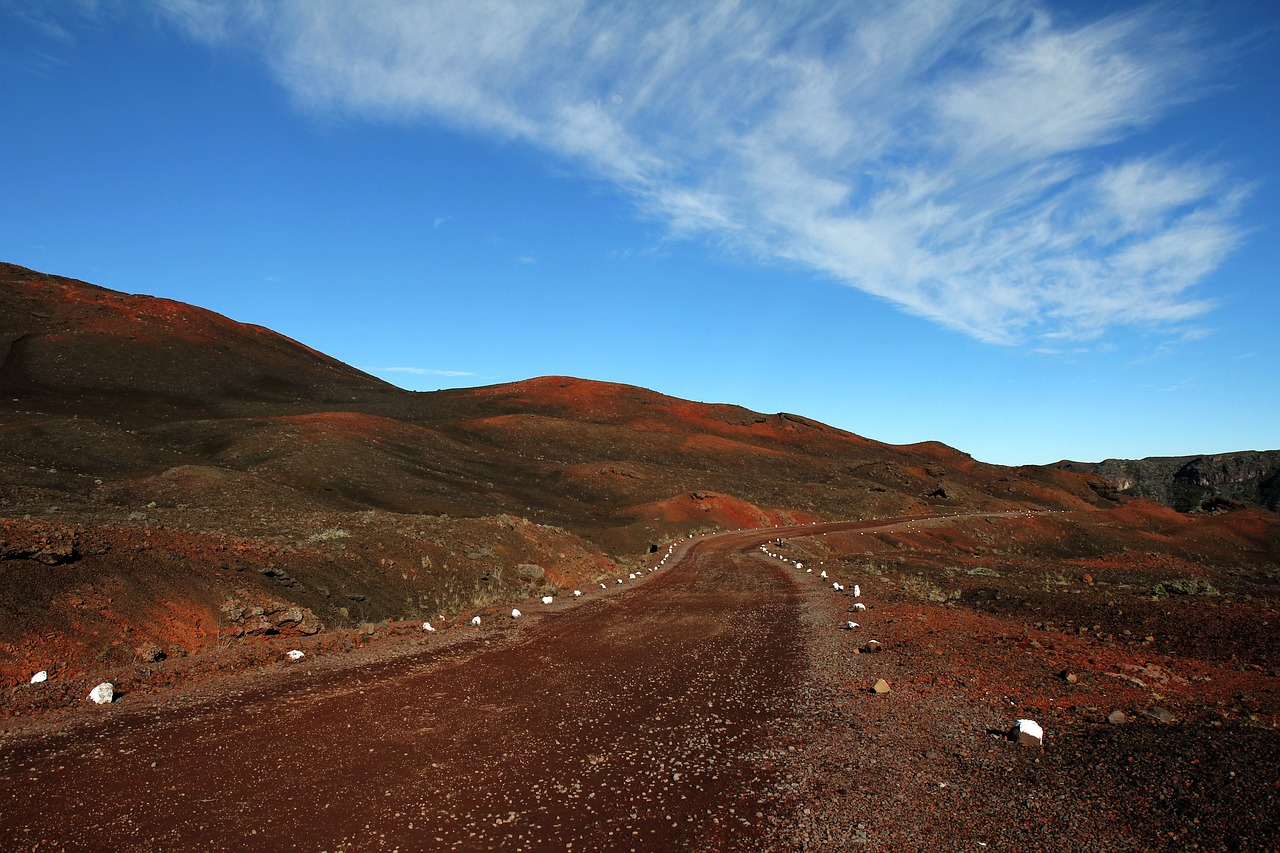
[
  {"x": 633, "y": 721},
  {"x": 714, "y": 705}
]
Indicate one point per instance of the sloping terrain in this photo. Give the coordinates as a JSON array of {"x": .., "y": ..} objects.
[
  {"x": 165, "y": 471},
  {"x": 183, "y": 498}
]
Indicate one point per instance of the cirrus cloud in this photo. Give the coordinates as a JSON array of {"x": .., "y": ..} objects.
[{"x": 966, "y": 161}]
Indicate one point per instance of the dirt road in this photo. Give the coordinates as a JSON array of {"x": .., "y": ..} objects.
[
  {"x": 628, "y": 722},
  {"x": 715, "y": 705}
]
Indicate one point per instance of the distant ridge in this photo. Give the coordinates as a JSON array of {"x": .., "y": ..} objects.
[{"x": 1194, "y": 483}]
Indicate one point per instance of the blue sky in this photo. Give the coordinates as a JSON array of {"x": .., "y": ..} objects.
[{"x": 1032, "y": 231}]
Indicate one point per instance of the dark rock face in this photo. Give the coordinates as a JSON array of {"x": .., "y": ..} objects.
[{"x": 1191, "y": 483}]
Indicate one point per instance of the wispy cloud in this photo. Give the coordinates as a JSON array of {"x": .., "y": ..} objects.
[
  {"x": 420, "y": 371},
  {"x": 963, "y": 160}
]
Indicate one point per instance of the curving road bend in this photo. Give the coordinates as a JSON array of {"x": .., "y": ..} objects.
[{"x": 630, "y": 722}]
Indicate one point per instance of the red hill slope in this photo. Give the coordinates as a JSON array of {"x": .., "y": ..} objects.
[
  {"x": 64, "y": 338},
  {"x": 173, "y": 482}
]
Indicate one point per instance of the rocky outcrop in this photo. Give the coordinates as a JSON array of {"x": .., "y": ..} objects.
[
  {"x": 247, "y": 618},
  {"x": 1191, "y": 483}
]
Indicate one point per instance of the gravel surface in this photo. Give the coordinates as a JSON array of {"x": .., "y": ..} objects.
[{"x": 716, "y": 704}]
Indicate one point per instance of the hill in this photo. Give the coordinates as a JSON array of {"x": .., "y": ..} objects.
[{"x": 175, "y": 485}]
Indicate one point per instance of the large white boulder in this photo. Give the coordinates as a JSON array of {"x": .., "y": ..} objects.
[
  {"x": 103, "y": 694},
  {"x": 1028, "y": 733}
]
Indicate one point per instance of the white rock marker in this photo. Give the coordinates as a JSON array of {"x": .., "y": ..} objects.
[
  {"x": 602, "y": 586},
  {"x": 475, "y": 620},
  {"x": 577, "y": 593},
  {"x": 857, "y": 591},
  {"x": 103, "y": 694},
  {"x": 515, "y": 614},
  {"x": 294, "y": 654},
  {"x": 858, "y": 607},
  {"x": 42, "y": 675},
  {"x": 546, "y": 599},
  {"x": 850, "y": 625},
  {"x": 823, "y": 575},
  {"x": 1028, "y": 733},
  {"x": 426, "y": 626}
]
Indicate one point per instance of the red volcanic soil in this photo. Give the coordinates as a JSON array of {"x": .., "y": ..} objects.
[
  {"x": 184, "y": 498},
  {"x": 724, "y": 511},
  {"x": 1165, "y": 740},
  {"x": 714, "y": 705}
]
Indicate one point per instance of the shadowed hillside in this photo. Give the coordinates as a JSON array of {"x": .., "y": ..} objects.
[{"x": 1191, "y": 483}]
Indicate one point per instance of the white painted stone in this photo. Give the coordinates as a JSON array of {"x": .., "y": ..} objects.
[
  {"x": 103, "y": 694},
  {"x": 858, "y": 607},
  {"x": 426, "y": 626},
  {"x": 294, "y": 654},
  {"x": 577, "y": 593},
  {"x": 42, "y": 675},
  {"x": 1028, "y": 733},
  {"x": 857, "y": 591},
  {"x": 850, "y": 625},
  {"x": 546, "y": 599},
  {"x": 475, "y": 620},
  {"x": 515, "y": 614}
]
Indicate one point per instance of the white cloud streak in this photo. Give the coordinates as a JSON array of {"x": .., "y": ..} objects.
[
  {"x": 963, "y": 160},
  {"x": 420, "y": 371}
]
